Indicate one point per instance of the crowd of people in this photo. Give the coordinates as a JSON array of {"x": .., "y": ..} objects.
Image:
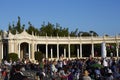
[{"x": 62, "y": 69}]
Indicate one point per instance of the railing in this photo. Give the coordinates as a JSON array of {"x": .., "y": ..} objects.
[{"x": 66, "y": 40}]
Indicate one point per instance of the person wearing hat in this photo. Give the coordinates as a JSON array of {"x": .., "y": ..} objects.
[{"x": 86, "y": 75}]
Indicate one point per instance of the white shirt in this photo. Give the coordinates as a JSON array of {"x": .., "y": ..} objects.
[
  {"x": 105, "y": 63},
  {"x": 54, "y": 69}
]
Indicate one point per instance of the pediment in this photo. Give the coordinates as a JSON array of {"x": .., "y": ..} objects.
[{"x": 23, "y": 35}]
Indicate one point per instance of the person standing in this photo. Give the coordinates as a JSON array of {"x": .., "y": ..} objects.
[
  {"x": 110, "y": 75},
  {"x": 86, "y": 75},
  {"x": 5, "y": 74},
  {"x": 54, "y": 70},
  {"x": 18, "y": 75}
]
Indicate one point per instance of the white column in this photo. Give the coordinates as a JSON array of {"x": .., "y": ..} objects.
[
  {"x": 117, "y": 49},
  {"x": 19, "y": 50},
  {"x": 32, "y": 51},
  {"x": 51, "y": 53},
  {"x": 29, "y": 52},
  {"x": 92, "y": 51},
  {"x": 12, "y": 47},
  {"x": 46, "y": 50},
  {"x": 58, "y": 51},
  {"x": 38, "y": 49},
  {"x": 2, "y": 50},
  {"x": 117, "y": 52},
  {"x": 35, "y": 47},
  {"x": 80, "y": 50},
  {"x": 103, "y": 50},
  {"x": 68, "y": 50},
  {"x": 64, "y": 53}
]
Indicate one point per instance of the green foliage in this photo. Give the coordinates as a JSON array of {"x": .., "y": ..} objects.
[
  {"x": 48, "y": 29},
  {"x": 93, "y": 33},
  {"x": 38, "y": 56},
  {"x": 13, "y": 56},
  {"x": 86, "y": 34},
  {"x": 16, "y": 28},
  {"x": 53, "y": 30},
  {"x": 74, "y": 33},
  {"x": 59, "y": 31},
  {"x": 32, "y": 30}
]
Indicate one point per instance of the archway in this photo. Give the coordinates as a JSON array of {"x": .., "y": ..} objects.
[
  {"x": 5, "y": 51},
  {"x": 24, "y": 50}
]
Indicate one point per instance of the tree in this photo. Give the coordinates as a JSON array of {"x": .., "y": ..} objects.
[
  {"x": 53, "y": 30},
  {"x": 85, "y": 34},
  {"x": 59, "y": 31},
  {"x": 38, "y": 56},
  {"x": 19, "y": 28},
  {"x": 47, "y": 29},
  {"x": 13, "y": 56},
  {"x": 93, "y": 33},
  {"x": 16, "y": 28},
  {"x": 32, "y": 30},
  {"x": 11, "y": 28},
  {"x": 74, "y": 33}
]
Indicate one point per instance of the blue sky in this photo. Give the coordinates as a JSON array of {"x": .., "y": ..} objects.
[{"x": 101, "y": 16}]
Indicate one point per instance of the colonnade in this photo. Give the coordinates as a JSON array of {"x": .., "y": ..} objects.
[
  {"x": 32, "y": 47},
  {"x": 13, "y": 43},
  {"x": 79, "y": 51}
]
